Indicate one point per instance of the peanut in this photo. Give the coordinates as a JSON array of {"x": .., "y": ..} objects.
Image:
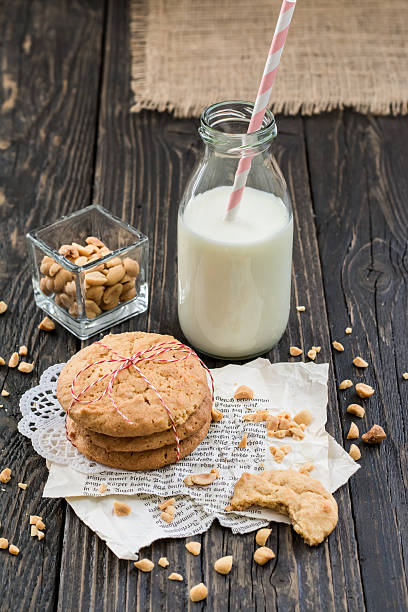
[
  {"x": 68, "y": 251},
  {"x": 295, "y": 351},
  {"x": 81, "y": 260},
  {"x": 131, "y": 266},
  {"x": 163, "y": 562},
  {"x": 301, "y": 308},
  {"x": 54, "y": 269},
  {"x": 115, "y": 275},
  {"x": 262, "y": 535},
  {"x": 144, "y": 565},
  {"x": 223, "y": 565},
  {"x": 60, "y": 280},
  {"x": 44, "y": 286},
  {"x": 3, "y": 307},
  {"x": 311, "y": 354},
  {"x": 128, "y": 295},
  {"x": 13, "y": 361},
  {"x": 356, "y": 409},
  {"x": 194, "y": 548},
  {"x": 405, "y": 375},
  {"x": 353, "y": 432},
  {"x": 128, "y": 286},
  {"x": 263, "y": 555},
  {"x": 94, "y": 278},
  {"x": 121, "y": 509},
  {"x": 364, "y": 390},
  {"x": 3, "y": 543},
  {"x": 243, "y": 442},
  {"x": 354, "y": 452},
  {"x": 81, "y": 249},
  {"x": 348, "y": 330},
  {"x": 244, "y": 392},
  {"x": 216, "y": 415},
  {"x": 198, "y": 592},
  {"x": 92, "y": 309},
  {"x": 95, "y": 241},
  {"x": 167, "y": 517},
  {"x": 46, "y": 324},
  {"x": 2, "y": 362},
  {"x": 5, "y": 475},
  {"x": 5, "y": 393},
  {"x": 175, "y": 576},
  {"x": 345, "y": 384},
  {"x": 338, "y": 346},
  {"x": 95, "y": 293},
  {"x": 23, "y": 350},
  {"x": 26, "y": 367},
  {"x": 359, "y": 362},
  {"x": 304, "y": 416},
  {"x": 112, "y": 293},
  {"x": 45, "y": 264},
  {"x": 13, "y": 550},
  {"x": 166, "y": 504},
  {"x": 375, "y": 435},
  {"x": 115, "y": 261}
]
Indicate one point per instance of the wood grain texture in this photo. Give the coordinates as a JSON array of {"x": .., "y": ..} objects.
[
  {"x": 156, "y": 156},
  {"x": 362, "y": 224},
  {"x": 49, "y": 58}
]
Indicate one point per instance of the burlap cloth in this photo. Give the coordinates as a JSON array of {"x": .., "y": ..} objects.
[{"x": 187, "y": 54}]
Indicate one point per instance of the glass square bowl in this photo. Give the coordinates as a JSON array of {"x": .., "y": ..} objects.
[{"x": 89, "y": 270}]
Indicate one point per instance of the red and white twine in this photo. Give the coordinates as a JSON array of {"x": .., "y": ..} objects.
[{"x": 151, "y": 353}]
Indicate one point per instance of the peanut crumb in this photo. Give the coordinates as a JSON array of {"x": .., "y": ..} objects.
[
  {"x": 256, "y": 417},
  {"x": 353, "y": 432},
  {"x": 13, "y": 550},
  {"x": 40, "y": 525},
  {"x": 295, "y": 351},
  {"x": 5, "y": 393},
  {"x": 223, "y": 565},
  {"x": 355, "y": 452},
  {"x": 40, "y": 535},
  {"x": 25, "y": 367},
  {"x": 103, "y": 488},
  {"x": 356, "y": 409},
  {"x": 33, "y": 531},
  {"x": 375, "y": 435},
  {"x": 364, "y": 390},
  {"x": 359, "y": 362},
  {"x": 46, "y": 324},
  {"x": 22, "y": 485},
  {"x": 121, "y": 509},
  {"x": 194, "y": 548},
  {"x": 263, "y": 555},
  {"x": 317, "y": 348},
  {"x": 338, "y": 346},
  {"x": 167, "y": 517},
  {"x": 244, "y": 392},
  {"x": 144, "y": 565},
  {"x": 175, "y": 576},
  {"x": 3, "y": 543},
  {"x": 163, "y": 562},
  {"x": 167, "y": 503},
  {"x": 3, "y": 307},
  {"x": 304, "y": 417},
  {"x": 198, "y": 592},
  {"x": 243, "y": 442},
  {"x": 301, "y": 308},
  {"x": 34, "y": 519},
  {"x": 13, "y": 361},
  {"x": 262, "y": 535},
  {"x": 311, "y": 354},
  {"x": 216, "y": 415},
  {"x": 2, "y": 362},
  {"x": 202, "y": 479},
  {"x": 405, "y": 375},
  {"x": 5, "y": 475},
  {"x": 348, "y": 330},
  {"x": 345, "y": 384},
  {"x": 23, "y": 351}
]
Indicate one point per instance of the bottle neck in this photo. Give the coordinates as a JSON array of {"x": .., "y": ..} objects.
[{"x": 223, "y": 129}]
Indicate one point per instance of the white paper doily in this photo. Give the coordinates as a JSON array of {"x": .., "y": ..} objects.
[{"x": 44, "y": 423}]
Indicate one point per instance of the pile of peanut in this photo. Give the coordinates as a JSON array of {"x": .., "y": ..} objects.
[{"x": 106, "y": 284}]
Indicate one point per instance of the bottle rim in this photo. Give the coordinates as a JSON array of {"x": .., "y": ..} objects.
[{"x": 239, "y": 111}]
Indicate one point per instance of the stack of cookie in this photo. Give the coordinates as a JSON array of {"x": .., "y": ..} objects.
[{"x": 140, "y": 436}]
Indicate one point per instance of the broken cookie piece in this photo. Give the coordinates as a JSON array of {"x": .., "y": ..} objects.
[
  {"x": 311, "y": 509},
  {"x": 244, "y": 392},
  {"x": 375, "y": 435}
]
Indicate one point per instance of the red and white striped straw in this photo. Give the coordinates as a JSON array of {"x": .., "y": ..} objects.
[{"x": 261, "y": 102}]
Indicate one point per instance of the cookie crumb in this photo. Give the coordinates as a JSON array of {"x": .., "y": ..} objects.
[
  {"x": 121, "y": 509},
  {"x": 243, "y": 442},
  {"x": 304, "y": 417},
  {"x": 103, "y": 488},
  {"x": 22, "y": 485},
  {"x": 375, "y": 435},
  {"x": 216, "y": 415},
  {"x": 244, "y": 392},
  {"x": 202, "y": 479},
  {"x": 306, "y": 468}
]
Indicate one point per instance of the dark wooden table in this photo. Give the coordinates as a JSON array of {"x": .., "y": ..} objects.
[{"x": 67, "y": 138}]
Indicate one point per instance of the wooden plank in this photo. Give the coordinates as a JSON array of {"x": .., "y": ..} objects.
[
  {"x": 362, "y": 221},
  {"x": 142, "y": 165},
  {"x": 49, "y": 58}
]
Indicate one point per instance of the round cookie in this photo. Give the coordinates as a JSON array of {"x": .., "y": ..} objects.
[
  {"x": 182, "y": 385},
  {"x": 193, "y": 425},
  {"x": 145, "y": 460}
]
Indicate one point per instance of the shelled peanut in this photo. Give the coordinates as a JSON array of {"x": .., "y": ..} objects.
[{"x": 106, "y": 285}]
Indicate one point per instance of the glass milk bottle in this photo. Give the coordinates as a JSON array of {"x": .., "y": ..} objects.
[{"x": 234, "y": 276}]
